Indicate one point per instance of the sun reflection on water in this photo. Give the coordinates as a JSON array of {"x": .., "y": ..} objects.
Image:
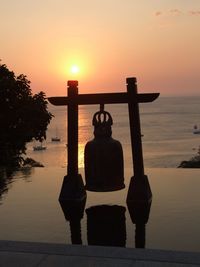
[{"x": 85, "y": 131}]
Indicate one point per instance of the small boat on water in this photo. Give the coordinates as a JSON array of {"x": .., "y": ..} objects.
[
  {"x": 39, "y": 147},
  {"x": 56, "y": 138},
  {"x": 196, "y": 130}
]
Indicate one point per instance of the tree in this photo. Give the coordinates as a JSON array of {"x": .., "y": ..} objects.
[{"x": 23, "y": 116}]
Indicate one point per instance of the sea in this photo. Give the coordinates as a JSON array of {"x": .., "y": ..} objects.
[{"x": 166, "y": 127}]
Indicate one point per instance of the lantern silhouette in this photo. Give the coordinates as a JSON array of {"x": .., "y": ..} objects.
[{"x": 103, "y": 157}]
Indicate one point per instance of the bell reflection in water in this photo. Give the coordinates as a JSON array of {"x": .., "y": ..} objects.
[
  {"x": 104, "y": 166},
  {"x": 106, "y": 225}
]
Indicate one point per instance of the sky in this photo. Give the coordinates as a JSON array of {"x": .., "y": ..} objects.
[{"x": 156, "y": 41}]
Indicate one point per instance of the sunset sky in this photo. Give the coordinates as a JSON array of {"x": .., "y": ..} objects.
[{"x": 157, "y": 41}]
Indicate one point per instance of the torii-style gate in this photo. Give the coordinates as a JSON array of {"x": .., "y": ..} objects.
[{"x": 73, "y": 188}]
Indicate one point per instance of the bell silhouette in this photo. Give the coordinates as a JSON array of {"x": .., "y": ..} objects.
[{"x": 103, "y": 157}]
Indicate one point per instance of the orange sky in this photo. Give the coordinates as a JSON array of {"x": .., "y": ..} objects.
[{"x": 156, "y": 41}]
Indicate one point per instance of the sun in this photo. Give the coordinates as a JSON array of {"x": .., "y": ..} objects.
[{"x": 74, "y": 69}]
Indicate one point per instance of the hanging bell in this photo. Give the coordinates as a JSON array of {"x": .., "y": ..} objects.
[{"x": 103, "y": 157}]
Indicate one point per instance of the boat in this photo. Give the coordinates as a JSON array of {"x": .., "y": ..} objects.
[
  {"x": 55, "y": 138},
  {"x": 196, "y": 130},
  {"x": 39, "y": 147}
]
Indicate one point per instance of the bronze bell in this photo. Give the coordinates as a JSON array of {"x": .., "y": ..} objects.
[{"x": 104, "y": 166}]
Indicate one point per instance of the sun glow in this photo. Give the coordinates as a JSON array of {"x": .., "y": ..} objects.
[
  {"x": 74, "y": 69},
  {"x": 74, "y": 66}
]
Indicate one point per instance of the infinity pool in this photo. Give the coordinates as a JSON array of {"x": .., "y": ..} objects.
[{"x": 30, "y": 211}]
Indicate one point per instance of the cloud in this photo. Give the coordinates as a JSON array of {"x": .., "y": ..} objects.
[
  {"x": 194, "y": 12},
  {"x": 172, "y": 12},
  {"x": 175, "y": 11},
  {"x": 158, "y": 13}
]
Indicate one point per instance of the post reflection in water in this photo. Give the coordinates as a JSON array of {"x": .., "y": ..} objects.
[
  {"x": 73, "y": 212},
  {"x": 139, "y": 213}
]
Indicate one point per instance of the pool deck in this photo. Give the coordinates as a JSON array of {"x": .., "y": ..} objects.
[{"x": 14, "y": 253}]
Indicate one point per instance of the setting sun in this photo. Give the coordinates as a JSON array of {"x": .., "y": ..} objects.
[
  {"x": 73, "y": 65},
  {"x": 75, "y": 69}
]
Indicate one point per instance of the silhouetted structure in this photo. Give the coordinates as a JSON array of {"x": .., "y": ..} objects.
[
  {"x": 74, "y": 213},
  {"x": 106, "y": 225},
  {"x": 139, "y": 213},
  {"x": 103, "y": 157},
  {"x": 72, "y": 188}
]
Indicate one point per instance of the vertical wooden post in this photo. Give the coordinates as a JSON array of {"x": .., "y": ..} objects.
[
  {"x": 135, "y": 129},
  {"x": 73, "y": 189},
  {"x": 139, "y": 188},
  {"x": 72, "y": 137}
]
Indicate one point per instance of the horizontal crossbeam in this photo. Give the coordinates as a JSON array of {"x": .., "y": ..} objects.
[{"x": 107, "y": 98}]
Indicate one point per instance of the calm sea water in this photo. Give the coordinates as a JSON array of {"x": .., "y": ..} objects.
[{"x": 166, "y": 123}]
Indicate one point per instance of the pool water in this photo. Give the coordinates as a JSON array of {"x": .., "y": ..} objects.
[{"x": 30, "y": 211}]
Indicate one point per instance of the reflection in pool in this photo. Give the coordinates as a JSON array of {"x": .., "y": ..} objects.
[
  {"x": 30, "y": 211},
  {"x": 106, "y": 224}
]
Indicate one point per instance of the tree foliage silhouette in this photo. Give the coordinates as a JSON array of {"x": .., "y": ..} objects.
[{"x": 23, "y": 116}]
